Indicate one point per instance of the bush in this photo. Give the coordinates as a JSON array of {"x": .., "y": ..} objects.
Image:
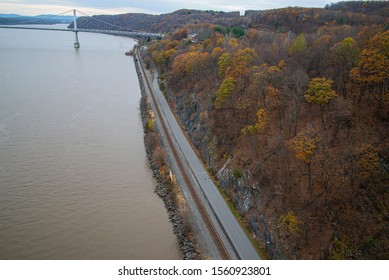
[{"x": 237, "y": 173}]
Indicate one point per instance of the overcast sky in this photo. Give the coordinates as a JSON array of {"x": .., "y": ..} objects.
[{"x": 32, "y": 7}]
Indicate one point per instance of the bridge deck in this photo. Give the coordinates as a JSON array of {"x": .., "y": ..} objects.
[{"x": 111, "y": 32}]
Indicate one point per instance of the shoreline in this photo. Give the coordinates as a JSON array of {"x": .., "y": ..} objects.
[{"x": 165, "y": 189}]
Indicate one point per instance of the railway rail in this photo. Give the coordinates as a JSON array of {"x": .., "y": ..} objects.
[{"x": 207, "y": 220}]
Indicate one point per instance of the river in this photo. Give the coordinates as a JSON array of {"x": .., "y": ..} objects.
[{"x": 74, "y": 178}]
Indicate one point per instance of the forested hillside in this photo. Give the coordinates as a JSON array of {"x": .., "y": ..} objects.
[{"x": 289, "y": 110}]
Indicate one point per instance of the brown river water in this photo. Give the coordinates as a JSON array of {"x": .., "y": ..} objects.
[{"x": 74, "y": 177}]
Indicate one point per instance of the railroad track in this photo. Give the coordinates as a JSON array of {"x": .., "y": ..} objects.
[{"x": 207, "y": 220}]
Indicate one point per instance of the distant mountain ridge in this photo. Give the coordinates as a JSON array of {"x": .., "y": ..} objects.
[
  {"x": 9, "y": 15},
  {"x": 7, "y": 19},
  {"x": 296, "y": 19},
  {"x": 156, "y": 23}
]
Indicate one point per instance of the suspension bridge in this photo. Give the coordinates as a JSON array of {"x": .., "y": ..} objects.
[{"x": 115, "y": 29}]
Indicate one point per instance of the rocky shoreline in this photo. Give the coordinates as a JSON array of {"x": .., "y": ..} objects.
[{"x": 164, "y": 189}]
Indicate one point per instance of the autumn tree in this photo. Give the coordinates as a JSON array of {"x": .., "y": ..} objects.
[
  {"x": 225, "y": 90},
  {"x": 224, "y": 61},
  {"x": 179, "y": 34},
  {"x": 343, "y": 57},
  {"x": 320, "y": 92},
  {"x": 189, "y": 64},
  {"x": 216, "y": 52},
  {"x": 372, "y": 73},
  {"x": 263, "y": 118},
  {"x": 162, "y": 58},
  {"x": 263, "y": 78},
  {"x": 291, "y": 222},
  {"x": 243, "y": 59},
  {"x": 303, "y": 145},
  {"x": 298, "y": 45},
  {"x": 236, "y": 64},
  {"x": 366, "y": 33},
  {"x": 233, "y": 42},
  {"x": 240, "y": 68},
  {"x": 291, "y": 226}
]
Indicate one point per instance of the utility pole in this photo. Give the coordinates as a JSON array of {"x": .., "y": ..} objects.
[{"x": 76, "y": 42}]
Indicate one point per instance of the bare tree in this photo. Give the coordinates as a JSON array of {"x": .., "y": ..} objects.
[{"x": 294, "y": 89}]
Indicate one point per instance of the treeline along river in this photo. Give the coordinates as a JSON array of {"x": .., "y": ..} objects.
[{"x": 74, "y": 177}]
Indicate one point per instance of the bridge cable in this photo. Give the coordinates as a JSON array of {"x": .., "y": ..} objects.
[{"x": 108, "y": 23}]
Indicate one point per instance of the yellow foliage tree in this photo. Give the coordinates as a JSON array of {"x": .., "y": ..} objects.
[
  {"x": 303, "y": 146},
  {"x": 225, "y": 91},
  {"x": 224, "y": 61},
  {"x": 263, "y": 119},
  {"x": 233, "y": 42},
  {"x": 320, "y": 91},
  {"x": 291, "y": 222},
  {"x": 163, "y": 58},
  {"x": 244, "y": 57},
  {"x": 249, "y": 129},
  {"x": 373, "y": 68},
  {"x": 298, "y": 45},
  {"x": 216, "y": 52},
  {"x": 172, "y": 44},
  {"x": 242, "y": 61},
  {"x": 220, "y": 41},
  {"x": 190, "y": 63}
]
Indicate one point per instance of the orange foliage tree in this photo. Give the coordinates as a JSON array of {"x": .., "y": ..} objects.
[
  {"x": 189, "y": 64},
  {"x": 303, "y": 146},
  {"x": 372, "y": 73}
]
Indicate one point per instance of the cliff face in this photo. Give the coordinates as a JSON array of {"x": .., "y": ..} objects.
[
  {"x": 293, "y": 127},
  {"x": 245, "y": 193}
]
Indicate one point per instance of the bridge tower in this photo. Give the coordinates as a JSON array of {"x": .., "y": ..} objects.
[{"x": 76, "y": 42}]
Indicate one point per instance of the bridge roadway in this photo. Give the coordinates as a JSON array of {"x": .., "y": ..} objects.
[
  {"x": 110, "y": 32},
  {"x": 231, "y": 229}
]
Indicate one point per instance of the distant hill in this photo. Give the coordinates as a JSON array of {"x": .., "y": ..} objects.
[
  {"x": 9, "y": 15},
  {"x": 296, "y": 19},
  {"x": 156, "y": 23},
  {"x": 8, "y": 19},
  {"x": 378, "y": 8}
]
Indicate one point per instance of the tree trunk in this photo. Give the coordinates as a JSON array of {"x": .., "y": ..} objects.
[
  {"x": 322, "y": 117},
  {"x": 309, "y": 179},
  {"x": 380, "y": 101}
]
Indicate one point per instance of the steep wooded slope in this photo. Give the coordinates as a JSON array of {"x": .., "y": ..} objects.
[{"x": 293, "y": 125}]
